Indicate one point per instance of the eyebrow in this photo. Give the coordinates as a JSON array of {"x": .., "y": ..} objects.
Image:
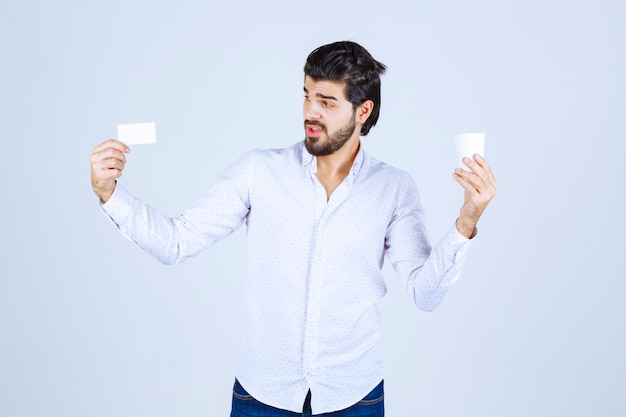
[{"x": 319, "y": 95}]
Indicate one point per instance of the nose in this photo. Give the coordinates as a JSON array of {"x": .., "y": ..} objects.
[{"x": 311, "y": 110}]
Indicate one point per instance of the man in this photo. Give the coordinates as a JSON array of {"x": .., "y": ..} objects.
[{"x": 320, "y": 216}]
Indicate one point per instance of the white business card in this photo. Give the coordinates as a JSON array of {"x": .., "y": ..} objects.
[{"x": 136, "y": 133}]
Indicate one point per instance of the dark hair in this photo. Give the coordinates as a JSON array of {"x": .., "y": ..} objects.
[{"x": 349, "y": 63}]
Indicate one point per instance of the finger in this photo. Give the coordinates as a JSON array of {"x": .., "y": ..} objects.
[
  {"x": 479, "y": 167},
  {"x": 107, "y": 174},
  {"x": 480, "y": 160},
  {"x": 479, "y": 198},
  {"x": 473, "y": 165},
  {"x": 467, "y": 186},
  {"x": 111, "y": 143},
  {"x": 110, "y": 163},
  {"x": 106, "y": 169},
  {"x": 472, "y": 178},
  {"x": 107, "y": 153}
]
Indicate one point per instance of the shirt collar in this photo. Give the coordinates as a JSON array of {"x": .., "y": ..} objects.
[{"x": 310, "y": 161}]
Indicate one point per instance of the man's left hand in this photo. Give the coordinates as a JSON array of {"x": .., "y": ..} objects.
[{"x": 480, "y": 187}]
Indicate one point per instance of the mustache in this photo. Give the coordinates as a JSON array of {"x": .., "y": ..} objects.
[{"x": 315, "y": 123}]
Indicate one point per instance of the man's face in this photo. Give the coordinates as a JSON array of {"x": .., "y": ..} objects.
[{"x": 329, "y": 118}]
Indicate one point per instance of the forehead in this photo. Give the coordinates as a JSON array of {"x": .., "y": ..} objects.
[{"x": 326, "y": 88}]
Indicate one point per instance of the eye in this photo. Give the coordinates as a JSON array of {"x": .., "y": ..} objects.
[
  {"x": 327, "y": 104},
  {"x": 307, "y": 98}
]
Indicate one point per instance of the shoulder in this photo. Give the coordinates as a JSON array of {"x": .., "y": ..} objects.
[
  {"x": 259, "y": 166},
  {"x": 391, "y": 175},
  {"x": 390, "y": 183},
  {"x": 269, "y": 156},
  {"x": 260, "y": 163}
]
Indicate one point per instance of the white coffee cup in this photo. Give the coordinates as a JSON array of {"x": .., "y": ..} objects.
[{"x": 467, "y": 145}]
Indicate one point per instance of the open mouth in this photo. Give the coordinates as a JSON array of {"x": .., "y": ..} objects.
[{"x": 314, "y": 130}]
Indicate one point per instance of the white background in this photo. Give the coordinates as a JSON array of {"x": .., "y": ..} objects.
[{"x": 92, "y": 326}]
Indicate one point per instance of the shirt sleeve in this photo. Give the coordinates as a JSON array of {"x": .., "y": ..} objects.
[
  {"x": 428, "y": 272},
  {"x": 213, "y": 216}
]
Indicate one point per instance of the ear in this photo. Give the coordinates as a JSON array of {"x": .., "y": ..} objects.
[{"x": 364, "y": 111}]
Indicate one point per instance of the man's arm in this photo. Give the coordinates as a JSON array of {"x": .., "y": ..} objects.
[
  {"x": 213, "y": 216},
  {"x": 427, "y": 271},
  {"x": 430, "y": 272}
]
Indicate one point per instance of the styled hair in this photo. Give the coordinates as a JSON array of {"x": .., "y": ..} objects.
[{"x": 348, "y": 62}]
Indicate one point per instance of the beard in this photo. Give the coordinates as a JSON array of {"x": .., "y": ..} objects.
[{"x": 318, "y": 147}]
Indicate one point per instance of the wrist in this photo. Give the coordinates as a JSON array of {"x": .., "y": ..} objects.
[
  {"x": 467, "y": 229},
  {"x": 105, "y": 195}
]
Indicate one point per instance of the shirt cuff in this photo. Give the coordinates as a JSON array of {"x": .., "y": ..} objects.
[
  {"x": 457, "y": 243},
  {"x": 119, "y": 206}
]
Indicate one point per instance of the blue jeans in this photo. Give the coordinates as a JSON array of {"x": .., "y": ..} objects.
[{"x": 245, "y": 405}]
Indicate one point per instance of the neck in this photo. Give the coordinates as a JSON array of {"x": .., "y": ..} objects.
[{"x": 339, "y": 162}]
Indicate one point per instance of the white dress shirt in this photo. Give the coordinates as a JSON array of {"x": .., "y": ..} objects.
[{"x": 314, "y": 266}]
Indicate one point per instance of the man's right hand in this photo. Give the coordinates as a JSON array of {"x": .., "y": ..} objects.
[{"x": 107, "y": 163}]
